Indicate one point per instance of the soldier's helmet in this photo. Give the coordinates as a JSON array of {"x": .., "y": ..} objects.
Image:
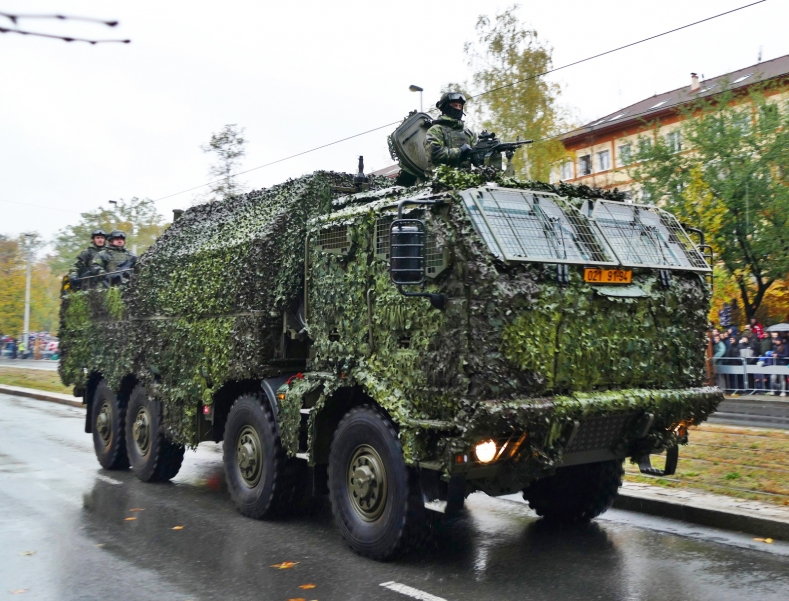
[
  {"x": 448, "y": 97},
  {"x": 98, "y": 232},
  {"x": 114, "y": 234}
]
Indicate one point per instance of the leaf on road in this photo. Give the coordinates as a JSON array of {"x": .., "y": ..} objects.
[
  {"x": 137, "y": 509},
  {"x": 130, "y": 519},
  {"x": 769, "y": 541},
  {"x": 28, "y": 553},
  {"x": 759, "y": 540},
  {"x": 298, "y": 599},
  {"x": 19, "y": 590},
  {"x": 177, "y": 528},
  {"x": 307, "y": 586},
  {"x": 285, "y": 565},
  {"x": 100, "y": 545}
]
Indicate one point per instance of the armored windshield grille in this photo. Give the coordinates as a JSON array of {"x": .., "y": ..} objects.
[
  {"x": 647, "y": 236},
  {"x": 533, "y": 226},
  {"x": 334, "y": 239}
]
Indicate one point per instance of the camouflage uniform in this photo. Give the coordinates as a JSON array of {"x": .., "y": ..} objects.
[
  {"x": 111, "y": 259},
  {"x": 443, "y": 142},
  {"x": 83, "y": 265}
]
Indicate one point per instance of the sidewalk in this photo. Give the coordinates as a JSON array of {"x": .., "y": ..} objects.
[{"x": 696, "y": 507}]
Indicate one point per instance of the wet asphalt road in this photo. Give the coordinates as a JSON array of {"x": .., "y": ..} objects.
[{"x": 56, "y": 501}]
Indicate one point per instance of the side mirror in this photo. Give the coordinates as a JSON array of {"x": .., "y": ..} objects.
[{"x": 407, "y": 252}]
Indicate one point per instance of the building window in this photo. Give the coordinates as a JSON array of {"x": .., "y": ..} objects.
[
  {"x": 567, "y": 170},
  {"x": 674, "y": 141},
  {"x": 624, "y": 154},
  {"x": 741, "y": 122},
  {"x": 604, "y": 159},
  {"x": 644, "y": 146},
  {"x": 585, "y": 165}
]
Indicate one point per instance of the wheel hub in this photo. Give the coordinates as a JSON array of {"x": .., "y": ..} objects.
[
  {"x": 249, "y": 456},
  {"x": 141, "y": 430},
  {"x": 103, "y": 423},
  {"x": 367, "y": 483}
]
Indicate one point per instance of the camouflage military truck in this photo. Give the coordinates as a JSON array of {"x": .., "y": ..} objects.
[{"x": 399, "y": 348}]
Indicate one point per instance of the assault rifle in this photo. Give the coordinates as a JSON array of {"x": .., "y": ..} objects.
[{"x": 487, "y": 151}]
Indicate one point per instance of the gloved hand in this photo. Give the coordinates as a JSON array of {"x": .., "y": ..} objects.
[
  {"x": 465, "y": 152},
  {"x": 73, "y": 280}
]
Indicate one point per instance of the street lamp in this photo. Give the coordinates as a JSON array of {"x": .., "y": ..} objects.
[
  {"x": 420, "y": 90},
  {"x": 26, "y": 327}
]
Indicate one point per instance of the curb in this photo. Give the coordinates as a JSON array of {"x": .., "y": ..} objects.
[
  {"x": 704, "y": 509},
  {"x": 41, "y": 395}
]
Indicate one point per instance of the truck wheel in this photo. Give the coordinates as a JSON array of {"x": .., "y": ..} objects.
[
  {"x": 577, "y": 493},
  {"x": 108, "y": 414},
  {"x": 374, "y": 496},
  {"x": 256, "y": 467},
  {"x": 153, "y": 458}
]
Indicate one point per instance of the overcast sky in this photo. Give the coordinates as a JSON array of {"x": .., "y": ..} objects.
[{"x": 82, "y": 124}]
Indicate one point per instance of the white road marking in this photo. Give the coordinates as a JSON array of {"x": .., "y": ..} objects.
[
  {"x": 108, "y": 480},
  {"x": 410, "y": 591}
]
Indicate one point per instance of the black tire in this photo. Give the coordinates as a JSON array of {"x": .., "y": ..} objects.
[
  {"x": 257, "y": 470},
  {"x": 383, "y": 515},
  {"x": 108, "y": 415},
  {"x": 153, "y": 458},
  {"x": 576, "y": 494}
]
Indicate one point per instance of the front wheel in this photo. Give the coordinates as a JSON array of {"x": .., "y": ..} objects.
[
  {"x": 374, "y": 496},
  {"x": 153, "y": 458},
  {"x": 578, "y": 493},
  {"x": 108, "y": 416}
]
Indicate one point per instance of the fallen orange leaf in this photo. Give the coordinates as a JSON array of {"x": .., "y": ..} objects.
[
  {"x": 307, "y": 586},
  {"x": 28, "y": 553},
  {"x": 769, "y": 541},
  {"x": 298, "y": 599},
  {"x": 137, "y": 509},
  {"x": 177, "y": 528},
  {"x": 759, "y": 540},
  {"x": 19, "y": 590},
  {"x": 130, "y": 519},
  {"x": 285, "y": 565}
]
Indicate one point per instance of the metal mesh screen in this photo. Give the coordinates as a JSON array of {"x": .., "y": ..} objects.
[
  {"x": 382, "y": 241},
  {"x": 536, "y": 227},
  {"x": 644, "y": 235},
  {"x": 435, "y": 260},
  {"x": 334, "y": 239}
]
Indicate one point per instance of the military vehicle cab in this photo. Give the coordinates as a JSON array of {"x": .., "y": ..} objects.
[{"x": 402, "y": 347}]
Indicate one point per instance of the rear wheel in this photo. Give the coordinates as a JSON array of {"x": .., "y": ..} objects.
[
  {"x": 577, "y": 493},
  {"x": 108, "y": 415},
  {"x": 153, "y": 458},
  {"x": 256, "y": 467},
  {"x": 375, "y": 498}
]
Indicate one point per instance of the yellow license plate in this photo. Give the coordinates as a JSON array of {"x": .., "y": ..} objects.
[{"x": 608, "y": 276}]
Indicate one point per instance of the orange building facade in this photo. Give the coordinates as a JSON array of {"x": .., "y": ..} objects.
[{"x": 600, "y": 153}]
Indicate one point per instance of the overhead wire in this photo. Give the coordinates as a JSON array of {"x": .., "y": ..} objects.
[
  {"x": 728, "y": 12},
  {"x": 15, "y": 18}
]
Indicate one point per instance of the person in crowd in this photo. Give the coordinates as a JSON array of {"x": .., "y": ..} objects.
[
  {"x": 718, "y": 352},
  {"x": 781, "y": 355},
  {"x": 757, "y": 328},
  {"x": 732, "y": 357},
  {"x": 724, "y": 316}
]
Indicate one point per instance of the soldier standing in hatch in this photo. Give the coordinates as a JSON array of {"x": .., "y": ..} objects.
[
  {"x": 83, "y": 265},
  {"x": 449, "y": 141},
  {"x": 114, "y": 258}
]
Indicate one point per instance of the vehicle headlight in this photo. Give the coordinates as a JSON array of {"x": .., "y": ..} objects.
[{"x": 485, "y": 451}]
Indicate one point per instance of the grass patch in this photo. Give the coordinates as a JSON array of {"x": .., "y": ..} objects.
[
  {"x": 33, "y": 378},
  {"x": 747, "y": 463}
]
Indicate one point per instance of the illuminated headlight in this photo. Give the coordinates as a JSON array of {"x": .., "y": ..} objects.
[{"x": 485, "y": 451}]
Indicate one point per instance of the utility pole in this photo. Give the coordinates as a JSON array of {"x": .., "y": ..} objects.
[{"x": 26, "y": 328}]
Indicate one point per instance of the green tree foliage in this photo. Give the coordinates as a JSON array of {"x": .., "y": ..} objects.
[
  {"x": 727, "y": 173},
  {"x": 228, "y": 148},
  {"x": 43, "y": 290},
  {"x": 507, "y": 51},
  {"x": 137, "y": 217}
]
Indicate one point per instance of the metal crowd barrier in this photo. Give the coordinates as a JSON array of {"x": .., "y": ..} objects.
[{"x": 751, "y": 375}]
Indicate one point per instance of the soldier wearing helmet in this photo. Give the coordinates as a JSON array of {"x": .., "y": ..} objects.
[
  {"x": 449, "y": 141},
  {"x": 83, "y": 265},
  {"x": 115, "y": 261}
]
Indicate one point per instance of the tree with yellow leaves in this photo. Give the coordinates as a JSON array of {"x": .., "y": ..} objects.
[{"x": 730, "y": 178}]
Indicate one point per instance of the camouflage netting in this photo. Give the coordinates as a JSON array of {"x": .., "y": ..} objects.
[{"x": 206, "y": 304}]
